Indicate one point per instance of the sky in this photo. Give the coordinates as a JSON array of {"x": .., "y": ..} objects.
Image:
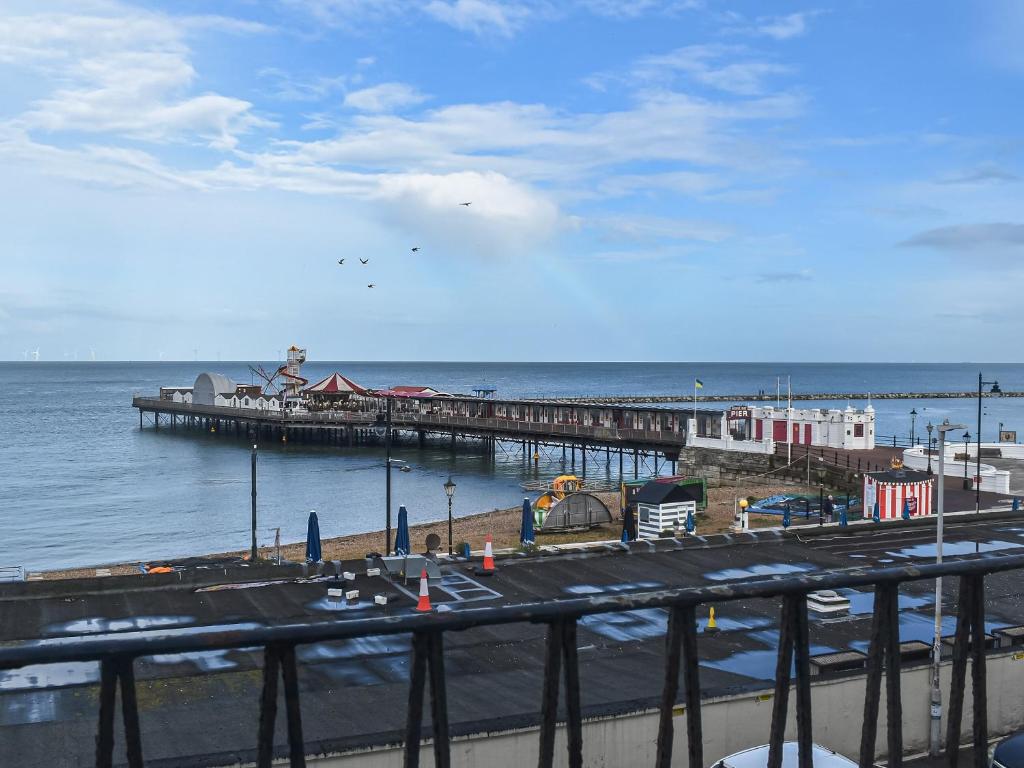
[{"x": 649, "y": 180}]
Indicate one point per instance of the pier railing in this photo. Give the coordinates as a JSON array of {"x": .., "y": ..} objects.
[
  {"x": 426, "y": 421},
  {"x": 117, "y": 654}
]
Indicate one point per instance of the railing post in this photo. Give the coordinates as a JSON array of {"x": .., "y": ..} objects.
[
  {"x": 978, "y": 670},
  {"x": 805, "y": 739},
  {"x": 268, "y": 707},
  {"x": 105, "y": 733},
  {"x": 681, "y": 645},
  {"x": 427, "y": 648},
  {"x": 130, "y": 713},
  {"x": 958, "y": 673},
  {"x": 296, "y": 745},
  {"x": 780, "y": 702},
  {"x": 561, "y": 643},
  {"x": 894, "y": 704}
]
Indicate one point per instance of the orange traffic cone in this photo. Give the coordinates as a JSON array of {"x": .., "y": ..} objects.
[
  {"x": 488, "y": 554},
  {"x": 424, "y": 603}
]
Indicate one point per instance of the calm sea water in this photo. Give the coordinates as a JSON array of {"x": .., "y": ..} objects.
[{"x": 81, "y": 484}]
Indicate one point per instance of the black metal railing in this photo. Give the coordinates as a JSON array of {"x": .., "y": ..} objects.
[{"x": 117, "y": 654}]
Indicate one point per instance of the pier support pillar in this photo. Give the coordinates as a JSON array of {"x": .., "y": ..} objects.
[
  {"x": 636, "y": 464},
  {"x": 583, "y": 451},
  {"x": 421, "y": 436},
  {"x": 655, "y": 463},
  {"x": 620, "y": 464}
]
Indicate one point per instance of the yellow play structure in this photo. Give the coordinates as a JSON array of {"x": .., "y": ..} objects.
[{"x": 560, "y": 488}]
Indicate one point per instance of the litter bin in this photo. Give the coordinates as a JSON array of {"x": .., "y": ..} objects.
[{"x": 968, "y": 484}]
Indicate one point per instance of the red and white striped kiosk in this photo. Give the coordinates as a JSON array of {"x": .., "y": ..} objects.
[{"x": 895, "y": 487}]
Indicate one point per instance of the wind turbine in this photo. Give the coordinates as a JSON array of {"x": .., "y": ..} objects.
[
  {"x": 92, "y": 354},
  {"x": 35, "y": 355}
]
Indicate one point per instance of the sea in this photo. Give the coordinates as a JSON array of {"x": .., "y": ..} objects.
[{"x": 81, "y": 484}]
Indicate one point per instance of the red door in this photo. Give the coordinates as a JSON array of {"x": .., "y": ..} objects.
[
  {"x": 760, "y": 430},
  {"x": 807, "y": 434},
  {"x": 796, "y": 434},
  {"x": 779, "y": 431}
]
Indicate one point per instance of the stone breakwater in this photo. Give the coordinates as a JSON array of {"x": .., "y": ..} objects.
[{"x": 766, "y": 397}]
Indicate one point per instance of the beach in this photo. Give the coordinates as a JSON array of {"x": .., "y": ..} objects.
[{"x": 502, "y": 524}]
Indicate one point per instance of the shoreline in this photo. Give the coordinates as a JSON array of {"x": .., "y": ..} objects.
[{"x": 502, "y": 524}]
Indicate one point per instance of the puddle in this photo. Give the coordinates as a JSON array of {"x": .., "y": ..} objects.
[
  {"x": 759, "y": 665},
  {"x": 97, "y": 624},
  {"x": 50, "y": 675},
  {"x": 864, "y": 602},
  {"x": 766, "y": 569},
  {"x": 642, "y": 624},
  {"x": 29, "y": 707},
  {"x": 169, "y": 633},
  {"x": 329, "y": 604},
  {"x": 354, "y": 648},
  {"x": 594, "y": 589},
  {"x": 953, "y": 548},
  {"x": 205, "y": 661}
]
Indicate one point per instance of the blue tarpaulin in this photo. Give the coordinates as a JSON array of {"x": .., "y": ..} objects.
[
  {"x": 402, "y": 545},
  {"x": 526, "y": 530},
  {"x": 313, "y": 554}
]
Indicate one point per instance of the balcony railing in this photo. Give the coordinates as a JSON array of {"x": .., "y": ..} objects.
[{"x": 116, "y": 655}]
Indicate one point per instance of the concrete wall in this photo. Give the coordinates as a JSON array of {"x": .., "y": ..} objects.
[
  {"x": 734, "y": 723},
  {"x": 992, "y": 479}
]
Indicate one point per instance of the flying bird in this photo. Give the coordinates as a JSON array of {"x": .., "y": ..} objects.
[
  {"x": 415, "y": 249},
  {"x": 467, "y": 204},
  {"x": 371, "y": 285},
  {"x": 341, "y": 261},
  {"x": 363, "y": 261}
]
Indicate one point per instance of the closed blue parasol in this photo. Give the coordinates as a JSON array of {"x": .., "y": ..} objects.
[
  {"x": 402, "y": 546},
  {"x": 691, "y": 526},
  {"x": 786, "y": 520},
  {"x": 876, "y": 515},
  {"x": 526, "y": 530},
  {"x": 628, "y": 526},
  {"x": 313, "y": 553},
  {"x": 906, "y": 510}
]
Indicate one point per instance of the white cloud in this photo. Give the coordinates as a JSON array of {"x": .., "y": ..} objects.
[
  {"x": 127, "y": 74},
  {"x": 481, "y": 17},
  {"x": 729, "y": 68},
  {"x": 385, "y": 97},
  {"x": 784, "y": 27}
]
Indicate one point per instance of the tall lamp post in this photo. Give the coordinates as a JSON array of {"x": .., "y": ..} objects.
[
  {"x": 930, "y": 427},
  {"x": 967, "y": 458},
  {"x": 913, "y": 420},
  {"x": 977, "y": 484},
  {"x": 253, "y": 553},
  {"x": 449, "y": 491},
  {"x": 385, "y": 428},
  {"x": 934, "y": 737}
]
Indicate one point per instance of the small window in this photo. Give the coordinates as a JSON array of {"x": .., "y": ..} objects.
[
  {"x": 858, "y": 430},
  {"x": 645, "y": 515}
]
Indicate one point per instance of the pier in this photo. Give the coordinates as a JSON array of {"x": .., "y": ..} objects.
[
  {"x": 600, "y": 433},
  {"x": 767, "y": 397}
]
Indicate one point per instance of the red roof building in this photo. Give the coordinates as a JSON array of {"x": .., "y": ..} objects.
[{"x": 335, "y": 388}]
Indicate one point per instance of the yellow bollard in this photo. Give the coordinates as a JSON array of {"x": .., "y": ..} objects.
[{"x": 712, "y": 625}]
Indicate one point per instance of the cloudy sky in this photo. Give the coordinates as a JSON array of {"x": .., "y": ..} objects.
[{"x": 650, "y": 179}]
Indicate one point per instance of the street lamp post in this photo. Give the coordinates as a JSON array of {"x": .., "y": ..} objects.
[
  {"x": 930, "y": 427},
  {"x": 386, "y": 428},
  {"x": 449, "y": 490},
  {"x": 967, "y": 458},
  {"x": 253, "y": 553},
  {"x": 913, "y": 421},
  {"x": 934, "y": 737},
  {"x": 977, "y": 479}
]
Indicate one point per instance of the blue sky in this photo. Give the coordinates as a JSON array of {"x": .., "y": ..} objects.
[{"x": 650, "y": 180}]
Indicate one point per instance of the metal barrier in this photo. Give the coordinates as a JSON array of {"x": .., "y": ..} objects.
[{"x": 117, "y": 654}]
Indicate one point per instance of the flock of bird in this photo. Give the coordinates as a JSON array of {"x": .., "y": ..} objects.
[{"x": 415, "y": 249}]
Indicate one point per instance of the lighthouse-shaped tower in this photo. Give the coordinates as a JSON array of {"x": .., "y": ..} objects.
[{"x": 293, "y": 379}]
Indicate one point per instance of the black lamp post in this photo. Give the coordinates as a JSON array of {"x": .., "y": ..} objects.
[
  {"x": 913, "y": 420},
  {"x": 449, "y": 491},
  {"x": 254, "y": 553},
  {"x": 967, "y": 458},
  {"x": 385, "y": 428},
  {"x": 977, "y": 485},
  {"x": 930, "y": 427}
]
